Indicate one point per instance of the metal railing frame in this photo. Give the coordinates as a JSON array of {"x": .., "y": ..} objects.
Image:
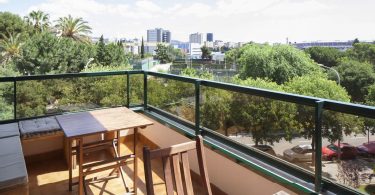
[{"x": 319, "y": 104}]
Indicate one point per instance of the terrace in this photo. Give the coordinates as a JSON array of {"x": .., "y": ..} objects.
[{"x": 233, "y": 166}]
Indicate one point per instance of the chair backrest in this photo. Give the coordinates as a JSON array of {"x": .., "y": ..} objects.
[{"x": 175, "y": 159}]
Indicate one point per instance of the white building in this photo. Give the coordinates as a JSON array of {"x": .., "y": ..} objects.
[
  {"x": 218, "y": 56},
  {"x": 197, "y": 38},
  {"x": 195, "y": 51}
]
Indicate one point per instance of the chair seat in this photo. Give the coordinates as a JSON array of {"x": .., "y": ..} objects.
[
  {"x": 12, "y": 164},
  {"x": 8, "y": 130},
  {"x": 39, "y": 127}
]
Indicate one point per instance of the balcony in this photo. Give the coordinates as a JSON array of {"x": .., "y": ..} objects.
[{"x": 178, "y": 106}]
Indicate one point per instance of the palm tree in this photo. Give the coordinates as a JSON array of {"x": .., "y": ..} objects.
[
  {"x": 10, "y": 46},
  {"x": 39, "y": 20},
  {"x": 75, "y": 28}
]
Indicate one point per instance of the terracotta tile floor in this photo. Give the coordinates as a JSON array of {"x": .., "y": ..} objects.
[{"x": 50, "y": 177}]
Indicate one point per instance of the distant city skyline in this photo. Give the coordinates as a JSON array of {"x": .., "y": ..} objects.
[{"x": 236, "y": 21}]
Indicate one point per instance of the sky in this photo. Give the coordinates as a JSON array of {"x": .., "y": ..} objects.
[{"x": 229, "y": 20}]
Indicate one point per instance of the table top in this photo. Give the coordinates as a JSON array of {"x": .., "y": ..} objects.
[{"x": 100, "y": 121}]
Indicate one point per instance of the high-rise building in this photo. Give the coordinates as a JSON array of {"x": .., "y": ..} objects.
[
  {"x": 166, "y": 36},
  {"x": 197, "y": 38},
  {"x": 210, "y": 37},
  {"x": 158, "y": 35}
]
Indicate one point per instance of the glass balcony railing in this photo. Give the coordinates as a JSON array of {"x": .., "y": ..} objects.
[{"x": 285, "y": 136}]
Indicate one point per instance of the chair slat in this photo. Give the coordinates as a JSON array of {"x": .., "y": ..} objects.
[
  {"x": 148, "y": 171},
  {"x": 177, "y": 174},
  {"x": 202, "y": 165},
  {"x": 186, "y": 170},
  {"x": 177, "y": 156},
  {"x": 168, "y": 175},
  {"x": 173, "y": 150}
]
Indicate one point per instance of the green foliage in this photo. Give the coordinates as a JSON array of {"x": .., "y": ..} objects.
[
  {"x": 215, "y": 110},
  {"x": 206, "y": 53},
  {"x": 32, "y": 98},
  {"x": 327, "y": 56},
  {"x": 278, "y": 63},
  {"x": 267, "y": 120},
  {"x": 100, "y": 51},
  {"x": 13, "y": 24},
  {"x": 356, "y": 77},
  {"x": 38, "y": 20},
  {"x": 74, "y": 28},
  {"x": 334, "y": 123},
  {"x": 362, "y": 52},
  {"x": 10, "y": 47},
  {"x": 142, "y": 49},
  {"x": 191, "y": 72},
  {"x": 45, "y": 53},
  {"x": 162, "y": 53}
]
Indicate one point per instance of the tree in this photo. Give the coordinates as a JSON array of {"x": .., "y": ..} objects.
[
  {"x": 328, "y": 56},
  {"x": 45, "y": 53},
  {"x": 356, "y": 77},
  {"x": 362, "y": 52},
  {"x": 278, "y": 63},
  {"x": 12, "y": 24},
  {"x": 162, "y": 53},
  {"x": 334, "y": 124},
  {"x": 114, "y": 55},
  {"x": 355, "y": 41},
  {"x": 38, "y": 20},
  {"x": 10, "y": 47},
  {"x": 215, "y": 109},
  {"x": 142, "y": 49},
  {"x": 369, "y": 125},
  {"x": 206, "y": 53},
  {"x": 267, "y": 120},
  {"x": 75, "y": 28},
  {"x": 100, "y": 51}
]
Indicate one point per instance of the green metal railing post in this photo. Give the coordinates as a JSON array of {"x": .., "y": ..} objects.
[
  {"x": 15, "y": 99},
  {"x": 197, "y": 104},
  {"x": 145, "y": 90},
  {"x": 128, "y": 89},
  {"x": 318, "y": 145}
]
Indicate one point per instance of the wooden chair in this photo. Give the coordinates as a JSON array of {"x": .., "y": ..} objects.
[{"x": 174, "y": 158}]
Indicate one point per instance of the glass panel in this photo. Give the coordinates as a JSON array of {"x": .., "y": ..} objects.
[
  {"x": 6, "y": 101},
  {"x": 175, "y": 97},
  {"x": 37, "y": 98},
  {"x": 136, "y": 89},
  {"x": 271, "y": 126},
  {"x": 348, "y": 150}
]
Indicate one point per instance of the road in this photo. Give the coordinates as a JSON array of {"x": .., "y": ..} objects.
[
  {"x": 329, "y": 168},
  {"x": 279, "y": 147}
]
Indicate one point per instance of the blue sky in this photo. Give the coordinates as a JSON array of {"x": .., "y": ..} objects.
[{"x": 229, "y": 20}]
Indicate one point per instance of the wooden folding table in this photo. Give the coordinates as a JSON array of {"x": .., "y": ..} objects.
[{"x": 76, "y": 126}]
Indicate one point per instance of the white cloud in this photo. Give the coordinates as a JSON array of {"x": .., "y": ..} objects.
[
  {"x": 237, "y": 20},
  {"x": 3, "y": 1}
]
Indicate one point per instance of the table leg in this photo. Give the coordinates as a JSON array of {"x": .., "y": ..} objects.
[
  {"x": 118, "y": 151},
  {"x": 135, "y": 160},
  {"x": 80, "y": 163},
  {"x": 118, "y": 143},
  {"x": 70, "y": 166}
]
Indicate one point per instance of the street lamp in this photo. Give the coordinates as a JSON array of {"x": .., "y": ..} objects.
[
  {"x": 337, "y": 73},
  {"x": 88, "y": 62}
]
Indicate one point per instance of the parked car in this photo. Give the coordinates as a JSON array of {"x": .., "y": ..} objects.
[
  {"x": 298, "y": 153},
  {"x": 330, "y": 152},
  {"x": 265, "y": 148},
  {"x": 367, "y": 149}
]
